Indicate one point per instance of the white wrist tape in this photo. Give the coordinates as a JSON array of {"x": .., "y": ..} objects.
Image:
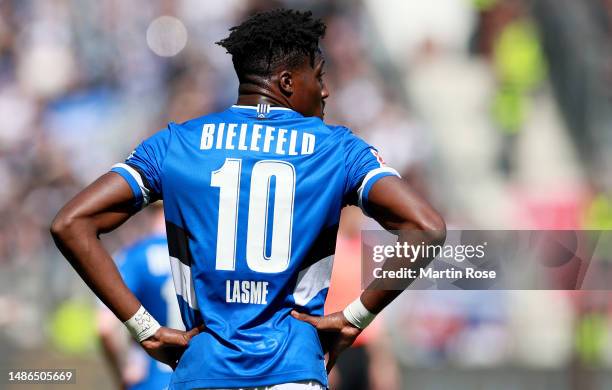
[
  {"x": 358, "y": 315},
  {"x": 142, "y": 325}
]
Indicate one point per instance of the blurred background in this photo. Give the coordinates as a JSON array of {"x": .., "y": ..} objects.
[{"x": 498, "y": 111}]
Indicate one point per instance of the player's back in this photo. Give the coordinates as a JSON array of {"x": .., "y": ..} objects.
[{"x": 252, "y": 198}]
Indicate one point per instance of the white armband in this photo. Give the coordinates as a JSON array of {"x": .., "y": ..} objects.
[
  {"x": 357, "y": 314},
  {"x": 142, "y": 325}
]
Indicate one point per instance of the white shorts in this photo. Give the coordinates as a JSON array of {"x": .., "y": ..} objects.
[{"x": 300, "y": 385}]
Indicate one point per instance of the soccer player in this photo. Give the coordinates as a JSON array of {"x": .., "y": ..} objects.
[
  {"x": 252, "y": 198},
  {"x": 145, "y": 269}
]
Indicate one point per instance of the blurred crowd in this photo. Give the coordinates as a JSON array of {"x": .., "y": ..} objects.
[{"x": 479, "y": 104}]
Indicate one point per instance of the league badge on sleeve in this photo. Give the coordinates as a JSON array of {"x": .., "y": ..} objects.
[{"x": 378, "y": 157}]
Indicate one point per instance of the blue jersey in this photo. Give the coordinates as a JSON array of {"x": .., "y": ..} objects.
[
  {"x": 145, "y": 269},
  {"x": 252, "y": 199}
]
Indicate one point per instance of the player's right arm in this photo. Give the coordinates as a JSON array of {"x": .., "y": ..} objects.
[
  {"x": 382, "y": 195},
  {"x": 399, "y": 208},
  {"x": 100, "y": 208},
  {"x": 393, "y": 204}
]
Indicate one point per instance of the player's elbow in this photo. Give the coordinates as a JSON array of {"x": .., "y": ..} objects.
[
  {"x": 438, "y": 228},
  {"x": 436, "y": 225},
  {"x": 62, "y": 226},
  {"x": 433, "y": 224}
]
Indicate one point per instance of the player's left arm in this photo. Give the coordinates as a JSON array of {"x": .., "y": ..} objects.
[{"x": 100, "y": 208}]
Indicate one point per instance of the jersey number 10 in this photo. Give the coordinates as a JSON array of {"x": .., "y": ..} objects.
[{"x": 227, "y": 179}]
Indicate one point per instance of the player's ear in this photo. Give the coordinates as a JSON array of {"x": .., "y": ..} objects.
[{"x": 285, "y": 82}]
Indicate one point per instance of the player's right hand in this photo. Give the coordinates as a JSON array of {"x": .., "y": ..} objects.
[
  {"x": 336, "y": 333},
  {"x": 167, "y": 345}
]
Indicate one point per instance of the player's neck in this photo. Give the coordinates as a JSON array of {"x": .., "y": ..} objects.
[{"x": 252, "y": 95}]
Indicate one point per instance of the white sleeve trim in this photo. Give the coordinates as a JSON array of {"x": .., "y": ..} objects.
[
  {"x": 134, "y": 173},
  {"x": 369, "y": 177}
]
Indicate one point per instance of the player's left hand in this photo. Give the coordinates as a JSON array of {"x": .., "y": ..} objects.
[
  {"x": 336, "y": 333},
  {"x": 167, "y": 345}
]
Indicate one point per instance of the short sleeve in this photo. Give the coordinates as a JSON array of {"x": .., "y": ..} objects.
[
  {"x": 143, "y": 168},
  {"x": 364, "y": 167}
]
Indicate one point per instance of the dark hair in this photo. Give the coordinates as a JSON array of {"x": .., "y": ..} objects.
[{"x": 269, "y": 39}]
